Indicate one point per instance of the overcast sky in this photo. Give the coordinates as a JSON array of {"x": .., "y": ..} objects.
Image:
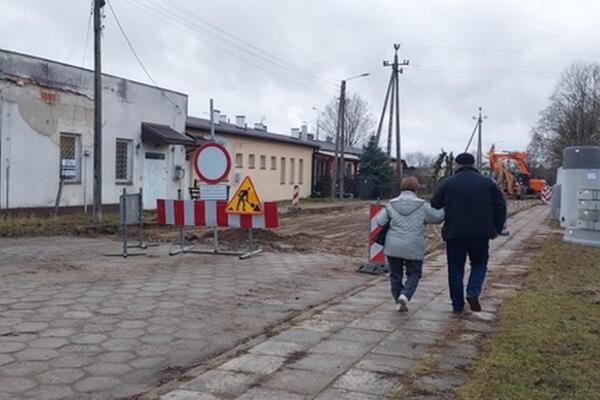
[{"x": 277, "y": 59}]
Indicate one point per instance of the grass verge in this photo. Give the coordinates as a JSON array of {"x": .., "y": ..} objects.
[
  {"x": 68, "y": 224},
  {"x": 547, "y": 344}
]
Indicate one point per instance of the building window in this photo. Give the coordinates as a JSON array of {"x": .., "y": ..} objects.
[
  {"x": 263, "y": 162},
  {"x": 301, "y": 171},
  {"x": 70, "y": 157},
  {"x": 123, "y": 161},
  {"x": 282, "y": 173},
  {"x": 251, "y": 161},
  {"x": 292, "y": 170},
  {"x": 239, "y": 160},
  {"x": 273, "y": 163}
]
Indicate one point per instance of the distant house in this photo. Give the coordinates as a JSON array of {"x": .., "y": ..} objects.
[
  {"x": 46, "y": 135},
  {"x": 275, "y": 162},
  {"x": 323, "y": 167}
]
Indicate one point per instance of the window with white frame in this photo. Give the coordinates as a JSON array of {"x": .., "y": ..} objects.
[
  {"x": 292, "y": 170},
  {"x": 124, "y": 161},
  {"x": 251, "y": 161},
  {"x": 239, "y": 160},
  {"x": 301, "y": 171},
  {"x": 70, "y": 157}
]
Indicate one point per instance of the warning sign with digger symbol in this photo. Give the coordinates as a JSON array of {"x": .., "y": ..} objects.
[{"x": 245, "y": 201}]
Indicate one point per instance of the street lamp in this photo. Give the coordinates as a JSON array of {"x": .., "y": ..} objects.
[{"x": 339, "y": 137}]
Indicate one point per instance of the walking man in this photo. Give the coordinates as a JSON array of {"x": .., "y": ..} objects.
[{"x": 475, "y": 213}]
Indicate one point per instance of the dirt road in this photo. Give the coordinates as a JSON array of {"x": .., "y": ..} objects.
[{"x": 340, "y": 229}]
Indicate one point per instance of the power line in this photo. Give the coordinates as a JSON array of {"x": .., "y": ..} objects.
[
  {"x": 163, "y": 9},
  {"x": 483, "y": 71},
  {"x": 438, "y": 87},
  {"x": 501, "y": 51},
  {"x": 192, "y": 30},
  {"x": 137, "y": 57},
  {"x": 279, "y": 59},
  {"x": 83, "y": 58}
]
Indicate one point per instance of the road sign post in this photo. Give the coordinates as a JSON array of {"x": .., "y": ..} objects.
[
  {"x": 246, "y": 203},
  {"x": 212, "y": 164}
]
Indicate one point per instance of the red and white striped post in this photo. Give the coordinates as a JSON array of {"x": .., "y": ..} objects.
[
  {"x": 376, "y": 255},
  {"x": 376, "y": 259},
  {"x": 296, "y": 198},
  {"x": 546, "y": 195}
]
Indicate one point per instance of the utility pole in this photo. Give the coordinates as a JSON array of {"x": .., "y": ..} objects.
[
  {"x": 98, "y": 5},
  {"x": 392, "y": 97},
  {"x": 399, "y": 169},
  {"x": 342, "y": 127},
  {"x": 338, "y": 142},
  {"x": 340, "y": 138},
  {"x": 479, "y": 156}
]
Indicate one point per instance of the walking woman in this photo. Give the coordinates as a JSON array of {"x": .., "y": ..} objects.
[{"x": 405, "y": 245}]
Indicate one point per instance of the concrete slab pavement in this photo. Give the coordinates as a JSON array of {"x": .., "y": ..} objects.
[
  {"x": 358, "y": 347},
  {"x": 77, "y": 325}
]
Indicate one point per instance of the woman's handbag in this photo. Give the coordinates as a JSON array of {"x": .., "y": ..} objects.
[{"x": 380, "y": 238}]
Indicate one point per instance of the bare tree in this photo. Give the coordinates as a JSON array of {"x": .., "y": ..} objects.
[
  {"x": 359, "y": 121},
  {"x": 419, "y": 159},
  {"x": 572, "y": 118}
]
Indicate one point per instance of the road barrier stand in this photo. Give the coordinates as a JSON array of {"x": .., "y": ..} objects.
[
  {"x": 131, "y": 212},
  {"x": 376, "y": 259},
  {"x": 209, "y": 213}
]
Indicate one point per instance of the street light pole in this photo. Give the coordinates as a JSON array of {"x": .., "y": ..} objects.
[{"x": 341, "y": 137}]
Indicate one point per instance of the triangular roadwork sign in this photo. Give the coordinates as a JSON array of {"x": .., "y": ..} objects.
[{"x": 245, "y": 200}]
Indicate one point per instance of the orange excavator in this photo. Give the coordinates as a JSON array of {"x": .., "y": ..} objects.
[{"x": 512, "y": 174}]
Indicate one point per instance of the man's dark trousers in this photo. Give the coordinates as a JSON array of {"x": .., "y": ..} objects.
[{"x": 457, "y": 251}]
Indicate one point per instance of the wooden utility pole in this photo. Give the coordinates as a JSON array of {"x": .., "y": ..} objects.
[
  {"x": 98, "y": 5},
  {"x": 392, "y": 97}
]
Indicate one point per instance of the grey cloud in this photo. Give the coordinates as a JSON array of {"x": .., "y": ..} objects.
[{"x": 439, "y": 92}]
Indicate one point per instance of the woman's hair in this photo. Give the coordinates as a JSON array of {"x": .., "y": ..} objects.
[{"x": 410, "y": 183}]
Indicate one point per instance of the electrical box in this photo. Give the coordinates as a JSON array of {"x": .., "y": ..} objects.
[
  {"x": 580, "y": 195},
  {"x": 178, "y": 173}
]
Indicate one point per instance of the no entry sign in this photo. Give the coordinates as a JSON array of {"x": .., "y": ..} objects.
[{"x": 212, "y": 163}]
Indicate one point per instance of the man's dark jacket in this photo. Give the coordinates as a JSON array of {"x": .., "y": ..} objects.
[{"x": 474, "y": 205}]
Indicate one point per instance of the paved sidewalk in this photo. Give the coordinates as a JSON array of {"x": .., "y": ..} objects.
[{"x": 360, "y": 348}]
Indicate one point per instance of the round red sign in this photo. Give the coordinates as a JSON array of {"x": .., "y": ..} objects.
[{"x": 212, "y": 163}]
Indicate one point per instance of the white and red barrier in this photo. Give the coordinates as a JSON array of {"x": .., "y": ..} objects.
[
  {"x": 213, "y": 214},
  {"x": 376, "y": 255},
  {"x": 296, "y": 197},
  {"x": 546, "y": 195}
]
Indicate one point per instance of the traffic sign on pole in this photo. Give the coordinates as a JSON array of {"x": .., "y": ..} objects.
[{"x": 212, "y": 163}]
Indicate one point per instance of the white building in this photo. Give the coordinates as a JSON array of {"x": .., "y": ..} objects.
[{"x": 46, "y": 134}]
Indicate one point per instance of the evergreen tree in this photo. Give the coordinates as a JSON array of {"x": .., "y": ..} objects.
[
  {"x": 375, "y": 168},
  {"x": 443, "y": 166}
]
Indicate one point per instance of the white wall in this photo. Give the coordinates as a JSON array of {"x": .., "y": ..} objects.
[{"x": 30, "y": 128}]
